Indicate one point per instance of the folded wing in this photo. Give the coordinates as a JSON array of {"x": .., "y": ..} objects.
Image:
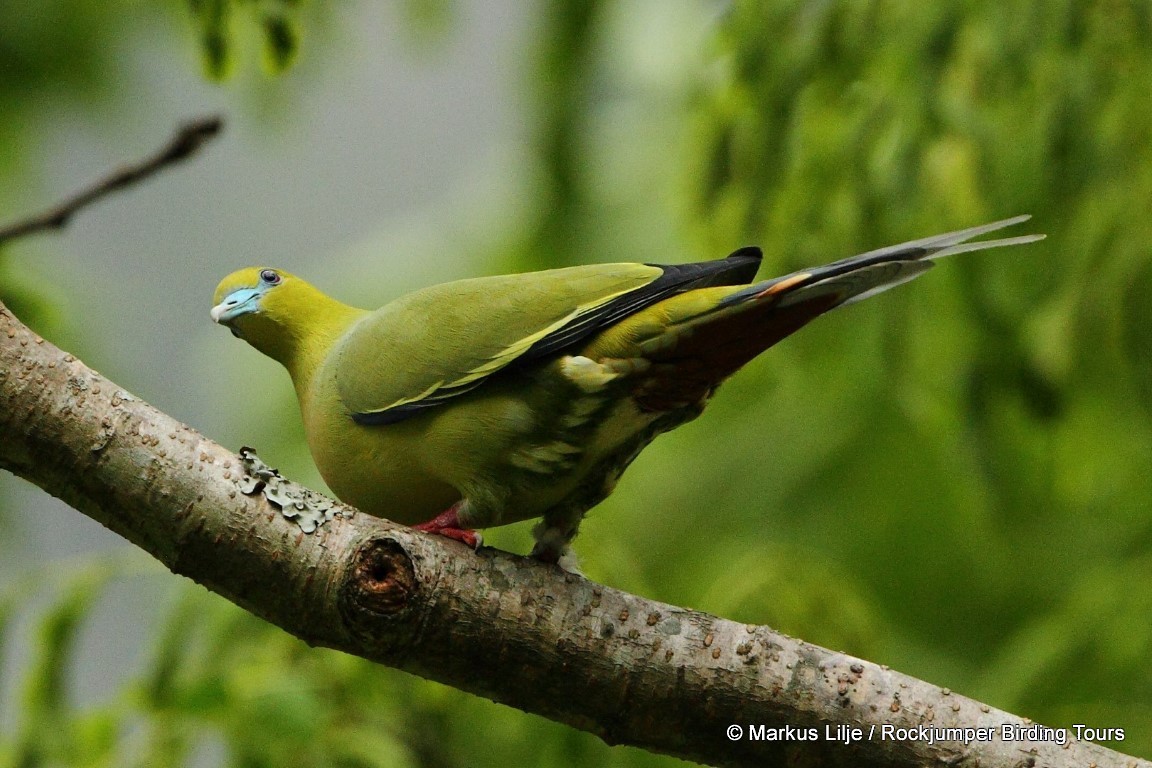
[{"x": 433, "y": 345}]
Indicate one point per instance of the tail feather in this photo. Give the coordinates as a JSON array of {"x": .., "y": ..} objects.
[
  {"x": 984, "y": 245},
  {"x": 707, "y": 342},
  {"x": 886, "y": 276},
  {"x": 930, "y": 246},
  {"x": 865, "y": 275}
]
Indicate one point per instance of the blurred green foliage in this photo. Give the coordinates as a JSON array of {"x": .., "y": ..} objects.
[
  {"x": 216, "y": 27},
  {"x": 952, "y": 479}
]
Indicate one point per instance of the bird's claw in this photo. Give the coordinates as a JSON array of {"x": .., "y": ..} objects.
[
  {"x": 447, "y": 524},
  {"x": 471, "y": 538}
]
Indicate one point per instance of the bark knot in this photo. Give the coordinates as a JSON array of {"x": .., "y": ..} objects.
[{"x": 382, "y": 580}]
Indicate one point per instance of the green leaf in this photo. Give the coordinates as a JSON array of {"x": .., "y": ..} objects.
[
  {"x": 281, "y": 42},
  {"x": 214, "y": 19}
]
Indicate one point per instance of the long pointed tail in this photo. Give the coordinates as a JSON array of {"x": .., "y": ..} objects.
[
  {"x": 708, "y": 334},
  {"x": 859, "y": 277}
]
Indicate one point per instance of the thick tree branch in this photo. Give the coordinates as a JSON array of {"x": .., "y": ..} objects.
[
  {"x": 185, "y": 143},
  {"x": 529, "y": 635}
]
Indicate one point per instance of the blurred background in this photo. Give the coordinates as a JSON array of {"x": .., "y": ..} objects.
[{"x": 953, "y": 479}]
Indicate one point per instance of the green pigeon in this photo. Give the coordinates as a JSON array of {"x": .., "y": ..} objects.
[{"x": 487, "y": 401}]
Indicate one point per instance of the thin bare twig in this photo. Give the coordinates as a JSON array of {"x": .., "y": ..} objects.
[{"x": 186, "y": 142}]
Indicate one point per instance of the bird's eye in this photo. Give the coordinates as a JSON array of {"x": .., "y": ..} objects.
[{"x": 270, "y": 276}]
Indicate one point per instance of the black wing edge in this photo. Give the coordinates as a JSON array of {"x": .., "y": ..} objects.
[
  {"x": 739, "y": 267},
  {"x": 401, "y": 412}
]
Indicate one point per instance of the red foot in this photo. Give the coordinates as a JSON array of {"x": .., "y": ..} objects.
[{"x": 448, "y": 524}]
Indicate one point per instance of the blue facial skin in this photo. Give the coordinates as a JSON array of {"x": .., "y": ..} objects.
[
  {"x": 237, "y": 303},
  {"x": 245, "y": 301}
]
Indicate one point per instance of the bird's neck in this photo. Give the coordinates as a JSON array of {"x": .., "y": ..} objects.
[
  {"x": 310, "y": 349},
  {"x": 301, "y": 335}
]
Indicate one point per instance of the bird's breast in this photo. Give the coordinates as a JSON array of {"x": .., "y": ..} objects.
[{"x": 386, "y": 471}]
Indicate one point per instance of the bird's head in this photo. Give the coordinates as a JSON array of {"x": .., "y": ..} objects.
[
  {"x": 248, "y": 293},
  {"x": 273, "y": 310}
]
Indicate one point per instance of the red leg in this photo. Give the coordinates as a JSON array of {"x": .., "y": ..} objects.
[{"x": 448, "y": 524}]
